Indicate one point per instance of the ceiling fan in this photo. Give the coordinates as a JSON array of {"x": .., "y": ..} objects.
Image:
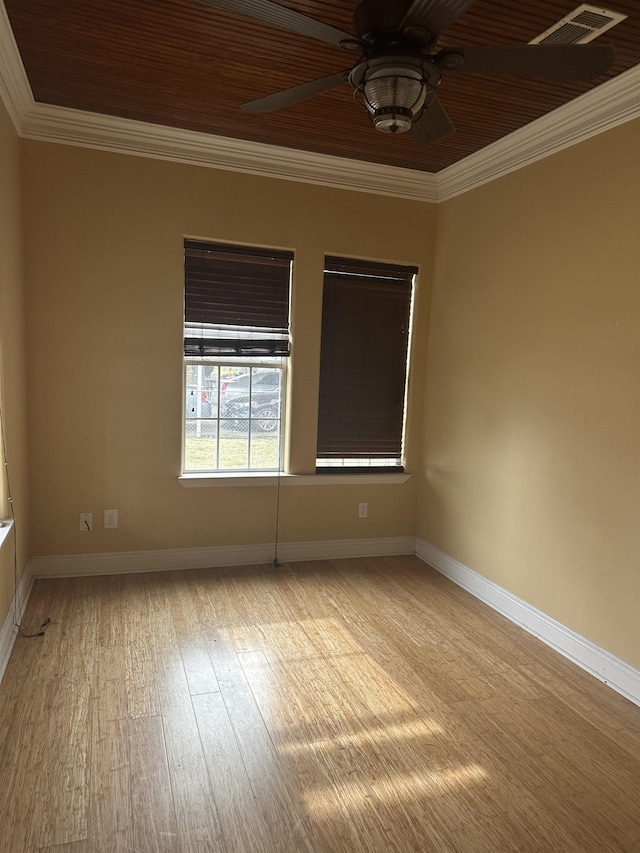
[{"x": 399, "y": 69}]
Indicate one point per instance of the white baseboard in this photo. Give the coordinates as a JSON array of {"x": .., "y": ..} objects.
[
  {"x": 123, "y": 562},
  {"x": 621, "y": 677},
  {"x": 9, "y": 632}
]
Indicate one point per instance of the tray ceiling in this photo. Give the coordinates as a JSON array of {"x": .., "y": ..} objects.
[{"x": 184, "y": 64}]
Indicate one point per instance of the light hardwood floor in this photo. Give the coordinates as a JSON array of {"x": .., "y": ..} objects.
[{"x": 352, "y": 705}]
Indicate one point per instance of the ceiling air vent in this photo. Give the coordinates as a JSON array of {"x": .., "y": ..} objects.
[{"x": 580, "y": 26}]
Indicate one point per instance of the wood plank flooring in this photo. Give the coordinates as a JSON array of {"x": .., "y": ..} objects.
[{"x": 347, "y": 705}]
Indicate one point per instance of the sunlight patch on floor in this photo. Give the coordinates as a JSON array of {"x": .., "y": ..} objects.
[
  {"x": 409, "y": 730},
  {"x": 394, "y": 788}
]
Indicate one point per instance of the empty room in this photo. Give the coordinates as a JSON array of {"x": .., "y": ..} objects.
[{"x": 320, "y": 419}]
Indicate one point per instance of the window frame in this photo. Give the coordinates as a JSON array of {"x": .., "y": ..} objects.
[
  {"x": 237, "y": 313},
  {"x": 249, "y": 364},
  {"x": 361, "y": 270}
]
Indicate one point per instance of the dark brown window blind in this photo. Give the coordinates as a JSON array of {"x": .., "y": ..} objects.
[
  {"x": 236, "y": 300},
  {"x": 365, "y": 332}
]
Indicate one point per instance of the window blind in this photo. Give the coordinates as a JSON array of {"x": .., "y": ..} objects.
[
  {"x": 365, "y": 331},
  {"x": 236, "y": 300}
]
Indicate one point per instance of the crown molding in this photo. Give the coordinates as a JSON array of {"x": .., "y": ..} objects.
[
  {"x": 605, "y": 107},
  {"x": 15, "y": 90},
  {"x": 125, "y": 136}
]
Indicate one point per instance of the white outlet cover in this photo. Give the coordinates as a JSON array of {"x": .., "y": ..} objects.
[{"x": 110, "y": 518}]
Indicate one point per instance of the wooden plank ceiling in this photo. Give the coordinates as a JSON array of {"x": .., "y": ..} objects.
[{"x": 184, "y": 64}]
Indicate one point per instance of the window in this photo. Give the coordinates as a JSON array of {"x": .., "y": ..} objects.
[
  {"x": 363, "y": 364},
  {"x": 4, "y": 503},
  {"x": 236, "y": 343}
]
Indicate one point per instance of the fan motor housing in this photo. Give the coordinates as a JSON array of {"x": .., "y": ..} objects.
[{"x": 374, "y": 18}]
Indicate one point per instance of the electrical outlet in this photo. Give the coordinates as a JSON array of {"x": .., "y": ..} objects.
[
  {"x": 110, "y": 518},
  {"x": 86, "y": 521},
  {"x": 363, "y": 510}
]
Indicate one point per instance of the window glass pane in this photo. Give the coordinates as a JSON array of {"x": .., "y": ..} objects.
[
  {"x": 359, "y": 462},
  {"x": 239, "y": 407},
  {"x": 266, "y": 416},
  {"x": 200, "y": 450},
  {"x": 265, "y": 447},
  {"x": 234, "y": 449},
  {"x": 201, "y": 390}
]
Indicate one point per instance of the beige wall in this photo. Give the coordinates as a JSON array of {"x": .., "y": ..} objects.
[
  {"x": 529, "y": 469},
  {"x": 12, "y": 358},
  {"x": 532, "y": 426},
  {"x": 104, "y": 267}
]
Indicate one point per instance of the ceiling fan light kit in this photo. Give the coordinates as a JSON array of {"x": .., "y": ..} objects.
[
  {"x": 394, "y": 97},
  {"x": 400, "y": 70},
  {"x": 395, "y": 90}
]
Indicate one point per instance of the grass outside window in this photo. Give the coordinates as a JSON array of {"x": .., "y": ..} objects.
[{"x": 200, "y": 453}]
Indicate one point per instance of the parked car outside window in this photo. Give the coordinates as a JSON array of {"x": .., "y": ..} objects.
[
  {"x": 256, "y": 396},
  {"x": 262, "y": 380}
]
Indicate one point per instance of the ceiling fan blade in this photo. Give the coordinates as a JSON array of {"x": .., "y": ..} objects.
[
  {"x": 271, "y": 103},
  {"x": 280, "y": 16},
  {"x": 434, "y": 123},
  {"x": 552, "y": 61},
  {"x": 435, "y": 15}
]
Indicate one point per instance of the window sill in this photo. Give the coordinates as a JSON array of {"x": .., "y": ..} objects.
[
  {"x": 5, "y": 530},
  {"x": 206, "y": 481}
]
